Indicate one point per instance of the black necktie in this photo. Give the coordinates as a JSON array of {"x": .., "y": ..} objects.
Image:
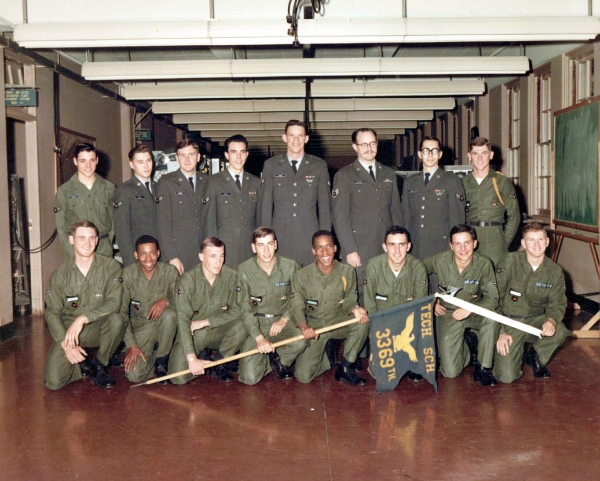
[
  {"x": 371, "y": 173},
  {"x": 148, "y": 186},
  {"x": 294, "y": 162},
  {"x": 238, "y": 183},
  {"x": 191, "y": 179},
  {"x": 427, "y": 174}
]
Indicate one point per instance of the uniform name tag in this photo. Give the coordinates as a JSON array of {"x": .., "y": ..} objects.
[
  {"x": 256, "y": 298},
  {"x": 412, "y": 191},
  {"x": 140, "y": 197},
  {"x": 281, "y": 284},
  {"x": 280, "y": 175},
  {"x": 381, "y": 297},
  {"x": 72, "y": 298},
  {"x": 472, "y": 281},
  {"x": 312, "y": 302},
  {"x": 359, "y": 182},
  {"x": 136, "y": 303},
  {"x": 514, "y": 293},
  {"x": 226, "y": 193},
  {"x": 179, "y": 193},
  {"x": 543, "y": 284}
]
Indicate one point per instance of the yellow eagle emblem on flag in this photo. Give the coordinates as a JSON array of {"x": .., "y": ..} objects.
[{"x": 402, "y": 342}]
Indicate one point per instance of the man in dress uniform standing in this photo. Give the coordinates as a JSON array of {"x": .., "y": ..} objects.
[
  {"x": 149, "y": 291},
  {"x": 473, "y": 273},
  {"x": 208, "y": 313},
  {"x": 85, "y": 196},
  {"x": 179, "y": 209},
  {"x": 295, "y": 195},
  {"x": 532, "y": 290},
  {"x": 134, "y": 205},
  {"x": 365, "y": 203},
  {"x": 395, "y": 278},
  {"x": 324, "y": 293},
  {"x": 433, "y": 201},
  {"x": 82, "y": 311},
  {"x": 490, "y": 197},
  {"x": 267, "y": 282},
  {"x": 232, "y": 208}
]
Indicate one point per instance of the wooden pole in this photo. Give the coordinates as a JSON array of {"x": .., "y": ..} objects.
[{"x": 249, "y": 353}]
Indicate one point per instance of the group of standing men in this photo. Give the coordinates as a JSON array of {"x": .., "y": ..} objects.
[{"x": 172, "y": 315}]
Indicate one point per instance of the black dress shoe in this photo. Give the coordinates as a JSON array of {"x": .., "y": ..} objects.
[
  {"x": 116, "y": 361},
  {"x": 221, "y": 373},
  {"x": 532, "y": 359},
  {"x": 282, "y": 372},
  {"x": 484, "y": 377},
  {"x": 357, "y": 365},
  {"x": 349, "y": 375},
  {"x": 102, "y": 378},
  {"x": 414, "y": 377},
  {"x": 471, "y": 342},
  {"x": 87, "y": 368}
]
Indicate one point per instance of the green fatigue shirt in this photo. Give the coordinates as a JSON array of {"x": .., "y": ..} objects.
[
  {"x": 484, "y": 205},
  {"x": 528, "y": 293},
  {"x": 321, "y": 300},
  {"x": 266, "y": 293},
  {"x": 384, "y": 290},
  {"x": 477, "y": 281},
  {"x": 196, "y": 300},
  {"x": 70, "y": 294},
  {"x": 74, "y": 201},
  {"x": 141, "y": 293}
]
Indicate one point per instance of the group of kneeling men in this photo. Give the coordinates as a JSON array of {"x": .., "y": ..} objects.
[{"x": 170, "y": 323}]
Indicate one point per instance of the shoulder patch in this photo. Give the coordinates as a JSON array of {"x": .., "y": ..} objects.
[
  {"x": 116, "y": 205},
  {"x": 460, "y": 197},
  {"x": 335, "y": 192},
  {"x": 238, "y": 289},
  {"x": 158, "y": 199},
  {"x": 56, "y": 209},
  {"x": 205, "y": 200},
  {"x": 180, "y": 291}
]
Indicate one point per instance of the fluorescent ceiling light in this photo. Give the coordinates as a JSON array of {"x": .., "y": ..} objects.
[
  {"x": 315, "y": 105},
  {"x": 304, "y": 67},
  {"x": 296, "y": 89}
]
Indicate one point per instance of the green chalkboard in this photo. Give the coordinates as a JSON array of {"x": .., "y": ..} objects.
[{"x": 576, "y": 164}]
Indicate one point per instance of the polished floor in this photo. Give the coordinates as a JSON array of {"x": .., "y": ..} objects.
[{"x": 530, "y": 430}]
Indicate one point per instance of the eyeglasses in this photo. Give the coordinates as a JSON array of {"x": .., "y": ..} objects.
[
  {"x": 364, "y": 146},
  {"x": 427, "y": 151}
]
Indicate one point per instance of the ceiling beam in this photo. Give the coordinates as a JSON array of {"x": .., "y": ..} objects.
[
  {"x": 304, "y": 67},
  {"x": 296, "y": 89},
  {"x": 277, "y": 127},
  {"x": 225, "y": 134}
]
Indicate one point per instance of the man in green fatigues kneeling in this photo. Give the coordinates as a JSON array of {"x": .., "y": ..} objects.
[
  {"x": 267, "y": 281},
  {"x": 532, "y": 290},
  {"x": 458, "y": 330},
  {"x": 149, "y": 290},
  {"x": 323, "y": 294},
  {"x": 208, "y": 313},
  {"x": 82, "y": 305},
  {"x": 395, "y": 278}
]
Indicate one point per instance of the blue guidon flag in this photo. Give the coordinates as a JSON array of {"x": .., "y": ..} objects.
[{"x": 402, "y": 340}]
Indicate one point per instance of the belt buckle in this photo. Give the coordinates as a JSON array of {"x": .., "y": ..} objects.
[{"x": 481, "y": 223}]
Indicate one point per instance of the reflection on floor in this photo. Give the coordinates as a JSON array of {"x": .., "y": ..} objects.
[{"x": 530, "y": 430}]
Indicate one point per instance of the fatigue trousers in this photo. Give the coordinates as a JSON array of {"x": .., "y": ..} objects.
[
  {"x": 453, "y": 352},
  {"x": 228, "y": 339},
  {"x": 491, "y": 243},
  {"x": 313, "y": 361},
  {"x": 508, "y": 368},
  {"x": 254, "y": 368},
  {"x": 148, "y": 334},
  {"x": 105, "y": 334}
]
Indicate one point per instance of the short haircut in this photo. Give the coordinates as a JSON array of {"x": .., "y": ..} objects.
[
  {"x": 261, "y": 232},
  {"x": 360, "y": 131},
  {"x": 187, "y": 142},
  {"x": 430, "y": 138},
  {"x": 480, "y": 142},
  {"x": 463, "y": 228},
  {"x": 533, "y": 227},
  {"x": 295, "y": 123},
  {"x": 146, "y": 239},
  {"x": 320, "y": 233},
  {"x": 236, "y": 138},
  {"x": 83, "y": 223},
  {"x": 84, "y": 147},
  {"x": 139, "y": 149},
  {"x": 211, "y": 242},
  {"x": 396, "y": 229}
]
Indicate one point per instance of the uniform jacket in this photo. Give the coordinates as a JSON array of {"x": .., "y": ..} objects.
[
  {"x": 140, "y": 293},
  {"x": 231, "y": 214},
  {"x": 383, "y": 289},
  {"x": 179, "y": 217},
  {"x": 266, "y": 293},
  {"x": 70, "y": 294},
  {"x": 74, "y": 201},
  {"x": 363, "y": 209},
  {"x": 431, "y": 211},
  {"x": 295, "y": 205},
  {"x": 134, "y": 209}
]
